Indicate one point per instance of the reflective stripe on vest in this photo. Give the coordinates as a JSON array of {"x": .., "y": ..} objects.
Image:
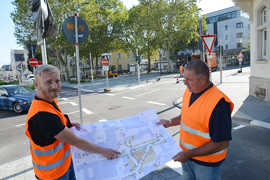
[
  {"x": 48, "y": 152},
  {"x": 53, "y": 165},
  {"x": 195, "y": 131},
  {"x": 189, "y": 146}
]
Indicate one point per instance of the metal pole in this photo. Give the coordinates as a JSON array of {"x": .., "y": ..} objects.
[
  {"x": 107, "y": 74},
  {"x": 220, "y": 65},
  {"x": 107, "y": 79},
  {"x": 43, "y": 45},
  {"x": 91, "y": 68},
  {"x": 78, "y": 66},
  {"x": 209, "y": 65},
  {"x": 138, "y": 67}
]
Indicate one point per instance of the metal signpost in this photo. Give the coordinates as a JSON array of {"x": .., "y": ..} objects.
[
  {"x": 91, "y": 68},
  {"x": 138, "y": 66},
  {"x": 105, "y": 63},
  {"x": 220, "y": 62},
  {"x": 76, "y": 31},
  {"x": 208, "y": 41}
]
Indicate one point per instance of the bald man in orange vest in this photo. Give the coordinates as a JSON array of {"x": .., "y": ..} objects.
[{"x": 205, "y": 125}]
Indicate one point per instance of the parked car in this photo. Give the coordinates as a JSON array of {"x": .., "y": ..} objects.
[
  {"x": 15, "y": 97},
  {"x": 31, "y": 76}
]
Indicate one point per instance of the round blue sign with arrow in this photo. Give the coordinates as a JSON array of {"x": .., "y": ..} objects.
[{"x": 68, "y": 29}]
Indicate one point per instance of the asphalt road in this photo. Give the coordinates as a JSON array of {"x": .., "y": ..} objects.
[{"x": 250, "y": 144}]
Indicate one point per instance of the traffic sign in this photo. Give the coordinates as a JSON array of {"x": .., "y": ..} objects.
[
  {"x": 68, "y": 30},
  {"x": 208, "y": 41},
  {"x": 105, "y": 62},
  {"x": 105, "y": 68},
  {"x": 33, "y": 62}
]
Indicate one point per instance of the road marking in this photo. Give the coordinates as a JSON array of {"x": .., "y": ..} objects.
[
  {"x": 19, "y": 125},
  {"x": 66, "y": 102},
  {"x": 137, "y": 86},
  {"x": 88, "y": 90},
  {"x": 239, "y": 127},
  {"x": 73, "y": 112},
  {"x": 103, "y": 120},
  {"x": 64, "y": 99},
  {"x": 73, "y": 103},
  {"x": 156, "y": 103},
  {"x": 110, "y": 94},
  {"x": 130, "y": 98},
  {"x": 149, "y": 92},
  {"x": 86, "y": 111},
  {"x": 61, "y": 103}
]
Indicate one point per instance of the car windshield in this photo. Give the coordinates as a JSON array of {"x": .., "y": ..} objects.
[{"x": 17, "y": 90}]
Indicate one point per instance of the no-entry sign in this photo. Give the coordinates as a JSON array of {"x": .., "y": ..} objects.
[
  {"x": 105, "y": 62},
  {"x": 33, "y": 62}
]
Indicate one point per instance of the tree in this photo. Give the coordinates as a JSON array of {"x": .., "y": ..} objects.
[
  {"x": 106, "y": 19},
  {"x": 180, "y": 25}
]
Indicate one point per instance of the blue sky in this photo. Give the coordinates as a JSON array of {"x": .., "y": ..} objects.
[{"x": 8, "y": 40}]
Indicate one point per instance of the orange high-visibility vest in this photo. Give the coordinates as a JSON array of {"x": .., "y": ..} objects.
[
  {"x": 181, "y": 69},
  {"x": 194, "y": 130},
  {"x": 52, "y": 161}
]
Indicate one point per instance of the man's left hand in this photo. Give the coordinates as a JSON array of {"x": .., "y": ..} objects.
[{"x": 182, "y": 156}]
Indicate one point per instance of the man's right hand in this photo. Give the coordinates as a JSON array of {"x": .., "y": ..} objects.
[
  {"x": 165, "y": 123},
  {"x": 110, "y": 153}
]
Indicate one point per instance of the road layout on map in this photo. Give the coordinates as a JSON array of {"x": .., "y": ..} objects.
[{"x": 144, "y": 147}]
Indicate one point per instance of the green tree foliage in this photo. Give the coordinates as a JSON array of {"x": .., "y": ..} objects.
[
  {"x": 106, "y": 20},
  {"x": 149, "y": 26},
  {"x": 23, "y": 21},
  {"x": 165, "y": 24}
]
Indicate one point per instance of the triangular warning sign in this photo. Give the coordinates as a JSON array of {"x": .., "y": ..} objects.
[{"x": 208, "y": 41}]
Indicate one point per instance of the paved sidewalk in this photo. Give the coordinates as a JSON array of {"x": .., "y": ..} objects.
[{"x": 247, "y": 109}]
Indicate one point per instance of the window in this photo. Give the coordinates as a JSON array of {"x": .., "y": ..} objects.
[
  {"x": 226, "y": 46},
  {"x": 226, "y": 27},
  {"x": 262, "y": 34},
  {"x": 3, "y": 92},
  {"x": 239, "y": 45},
  {"x": 239, "y": 25},
  {"x": 264, "y": 43},
  {"x": 239, "y": 35},
  {"x": 226, "y": 37},
  {"x": 264, "y": 15}
]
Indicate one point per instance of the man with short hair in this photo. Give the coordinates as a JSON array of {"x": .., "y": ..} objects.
[
  {"x": 47, "y": 129},
  {"x": 205, "y": 125}
]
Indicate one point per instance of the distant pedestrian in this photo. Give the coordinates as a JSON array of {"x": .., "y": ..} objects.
[
  {"x": 47, "y": 129},
  {"x": 181, "y": 70},
  {"x": 205, "y": 121}
]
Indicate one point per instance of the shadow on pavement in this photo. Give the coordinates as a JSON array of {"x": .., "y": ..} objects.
[
  {"x": 8, "y": 114},
  {"x": 163, "y": 174}
]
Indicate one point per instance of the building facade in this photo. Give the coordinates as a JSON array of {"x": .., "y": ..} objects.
[
  {"x": 18, "y": 64},
  {"x": 232, "y": 28},
  {"x": 259, "y": 12}
]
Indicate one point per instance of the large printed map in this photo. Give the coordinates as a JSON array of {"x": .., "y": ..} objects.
[{"x": 143, "y": 144}]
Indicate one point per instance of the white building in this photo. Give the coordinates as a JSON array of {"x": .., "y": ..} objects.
[
  {"x": 259, "y": 12},
  {"x": 231, "y": 26},
  {"x": 18, "y": 63}
]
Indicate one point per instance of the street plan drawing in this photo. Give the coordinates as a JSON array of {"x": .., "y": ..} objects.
[{"x": 144, "y": 147}]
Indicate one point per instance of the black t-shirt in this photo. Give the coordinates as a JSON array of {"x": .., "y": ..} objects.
[
  {"x": 220, "y": 123},
  {"x": 43, "y": 126}
]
